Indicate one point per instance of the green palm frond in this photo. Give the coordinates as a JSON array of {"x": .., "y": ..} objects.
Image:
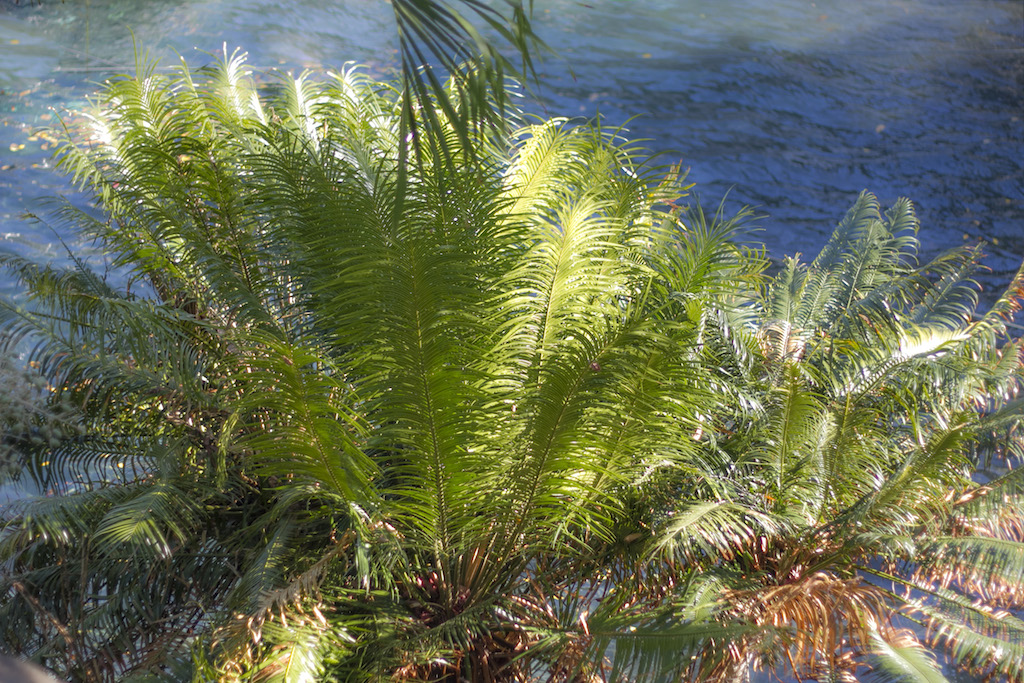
[
  {"x": 909, "y": 663},
  {"x": 862, "y": 252},
  {"x": 265, "y": 572},
  {"x": 926, "y": 473},
  {"x": 438, "y": 33},
  {"x": 1008, "y": 303},
  {"x": 785, "y": 292},
  {"x": 993, "y": 566},
  {"x": 985, "y": 641},
  {"x": 876, "y": 257},
  {"x": 548, "y": 155},
  {"x": 673, "y": 650},
  {"x": 58, "y": 520},
  {"x": 295, "y": 656},
  {"x": 700, "y": 255},
  {"x": 793, "y": 448},
  {"x": 687, "y": 637},
  {"x": 713, "y": 529},
  {"x": 156, "y": 518},
  {"x": 296, "y": 418},
  {"x": 952, "y": 293},
  {"x": 994, "y": 509},
  {"x": 236, "y": 106}
]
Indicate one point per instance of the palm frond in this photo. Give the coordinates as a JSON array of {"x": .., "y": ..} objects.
[
  {"x": 908, "y": 662},
  {"x": 686, "y": 637},
  {"x": 985, "y": 641},
  {"x": 298, "y": 421},
  {"x": 785, "y": 292},
  {"x": 925, "y": 473},
  {"x": 951, "y": 299},
  {"x": 507, "y": 411},
  {"x": 713, "y": 529},
  {"x": 151, "y": 521},
  {"x": 992, "y": 567},
  {"x": 430, "y": 32}
]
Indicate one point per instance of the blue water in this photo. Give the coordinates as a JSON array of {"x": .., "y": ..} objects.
[{"x": 787, "y": 105}]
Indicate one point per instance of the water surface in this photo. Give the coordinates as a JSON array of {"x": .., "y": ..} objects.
[{"x": 788, "y": 105}]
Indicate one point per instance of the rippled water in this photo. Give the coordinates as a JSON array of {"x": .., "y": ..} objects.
[
  {"x": 788, "y": 105},
  {"x": 797, "y": 106}
]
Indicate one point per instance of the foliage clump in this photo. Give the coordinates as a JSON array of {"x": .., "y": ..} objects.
[
  {"x": 508, "y": 415},
  {"x": 28, "y": 418}
]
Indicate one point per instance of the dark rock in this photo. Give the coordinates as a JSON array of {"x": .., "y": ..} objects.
[{"x": 18, "y": 671}]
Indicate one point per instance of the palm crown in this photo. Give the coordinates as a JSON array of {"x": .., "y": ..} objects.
[
  {"x": 507, "y": 418},
  {"x": 869, "y": 394}
]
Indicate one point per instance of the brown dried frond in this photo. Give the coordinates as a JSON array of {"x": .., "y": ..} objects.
[{"x": 830, "y": 619}]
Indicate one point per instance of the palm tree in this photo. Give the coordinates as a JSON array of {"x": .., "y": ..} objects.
[
  {"x": 849, "y": 521},
  {"x": 333, "y": 429}
]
